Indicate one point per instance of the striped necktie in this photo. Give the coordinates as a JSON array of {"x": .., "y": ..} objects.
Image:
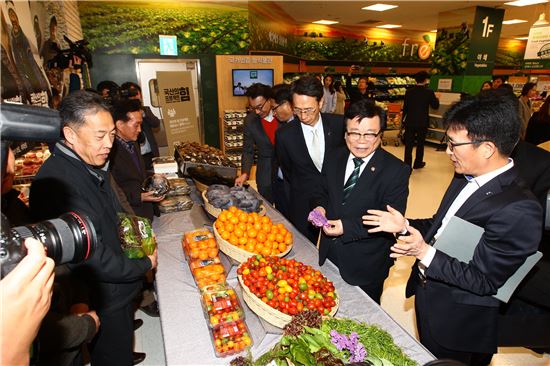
[{"x": 348, "y": 187}]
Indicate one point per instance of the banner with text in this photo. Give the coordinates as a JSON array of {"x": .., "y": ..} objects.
[
  {"x": 484, "y": 41},
  {"x": 177, "y": 101},
  {"x": 537, "y": 52}
]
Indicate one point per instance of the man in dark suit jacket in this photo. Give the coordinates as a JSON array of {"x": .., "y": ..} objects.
[
  {"x": 380, "y": 179},
  {"x": 455, "y": 310},
  {"x": 126, "y": 164},
  {"x": 259, "y": 134},
  {"x": 416, "y": 109},
  {"x": 302, "y": 145}
]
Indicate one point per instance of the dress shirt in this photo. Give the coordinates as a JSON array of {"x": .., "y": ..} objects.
[
  {"x": 474, "y": 183},
  {"x": 307, "y": 130},
  {"x": 350, "y": 165}
]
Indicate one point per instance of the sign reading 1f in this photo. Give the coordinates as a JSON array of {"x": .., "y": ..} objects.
[{"x": 487, "y": 28}]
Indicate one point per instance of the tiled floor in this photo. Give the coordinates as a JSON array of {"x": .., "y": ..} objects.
[{"x": 426, "y": 189}]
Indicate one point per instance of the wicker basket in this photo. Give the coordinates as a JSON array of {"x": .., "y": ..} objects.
[
  {"x": 214, "y": 211},
  {"x": 200, "y": 186},
  {"x": 238, "y": 254},
  {"x": 266, "y": 312}
]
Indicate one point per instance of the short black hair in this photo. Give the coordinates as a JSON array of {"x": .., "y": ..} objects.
[
  {"x": 281, "y": 93},
  {"x": 130, "y": 85},
  {"x": 78, "y": 105},
  {"x": 308, "y": 85},
  {"x": 421, "y": 76},
  {"x": 528, "y": 86},
  {"x": 489, "y": 116},
  {"x": 122, "y": 107},
  {"x": 259, "y": 90},
  {"x": 365, "y": 108},
  {"x": 496, "y": 77},
  {"x": 107, "y": 84},
  {"x": 53, "y": 21}
]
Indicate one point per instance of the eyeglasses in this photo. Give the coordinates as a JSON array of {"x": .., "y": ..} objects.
[
  {"x": 307, "y": 111},
  {"x": 451, "y": 145},
  {"x": 274, "y": 109},
  {"x": 257, "y": 108},
  {"x": 355, "y": 136}
]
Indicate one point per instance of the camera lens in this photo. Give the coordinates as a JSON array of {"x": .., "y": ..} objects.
[{"x": 70, "y": 238}]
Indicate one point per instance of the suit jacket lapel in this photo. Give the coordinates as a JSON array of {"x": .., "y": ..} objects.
[
  {"x": 328, "y": 135},
  {"x": 260, "y": 131}
]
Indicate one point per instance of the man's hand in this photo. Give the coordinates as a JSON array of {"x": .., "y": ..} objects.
[
  {"x": 241, "y": 179},
  {"x": 412, "y": 245},
  {"x": 154, "y": 259},
  {"x": 336, "y": 228},
  {"x": 390, "y": 221},
  {"x": 150, "y": 197},
  {"x": 25, "y": 297}
]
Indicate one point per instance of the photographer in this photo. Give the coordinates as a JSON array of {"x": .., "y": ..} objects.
[
  {"x": 75, "y": 178},
  {"x": 25, "y": 295}
]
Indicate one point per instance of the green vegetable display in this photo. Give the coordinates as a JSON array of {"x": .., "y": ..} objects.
[{"x": 136, "y": 236}]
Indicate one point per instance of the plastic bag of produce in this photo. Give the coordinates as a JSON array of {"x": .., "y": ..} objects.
[{"x": 137, "y": 238}]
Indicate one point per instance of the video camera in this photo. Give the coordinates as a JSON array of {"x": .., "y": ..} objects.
[
  {"x": 71, "y": 238},
  {"x": 63, "y": 57}
]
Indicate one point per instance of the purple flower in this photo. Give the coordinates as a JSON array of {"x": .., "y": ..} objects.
[{"x": 351, "y": 344}]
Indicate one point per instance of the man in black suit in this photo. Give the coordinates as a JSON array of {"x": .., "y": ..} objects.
[
  {"x": 416, "y": 109},
  {"x": 146, "y": 139},
  {"x": 126, "y": 164},
  {"x": 302, "y": 145},
  {"x": 259, "y": 134},
  {"x": 455, "y": 310},
  {"x": 357, "y": 178}
]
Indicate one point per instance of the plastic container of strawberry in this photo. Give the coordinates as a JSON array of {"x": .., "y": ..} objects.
[
  {"x": 221, "y": 305},
  {"x": 232, "y": 338}
]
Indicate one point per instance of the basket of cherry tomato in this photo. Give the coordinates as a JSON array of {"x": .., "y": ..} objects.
[
  {"x": 230, "y": 338},
  {"x": 277, "y": 288}
]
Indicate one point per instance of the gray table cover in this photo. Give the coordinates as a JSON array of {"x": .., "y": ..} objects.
[{"x": 184, "y": 328}]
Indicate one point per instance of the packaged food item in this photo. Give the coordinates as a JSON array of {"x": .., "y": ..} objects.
[
  {"x": 211, "y": 274},
  {"x": 174, "y": 204},
  {"x": 198, "y": 263},
  {"x": 157, "y": 183},
  {"x": 136, "y": 236},
  {"x": 230, "y": 338},
  {"x": 178, "y": 187},
  {"x": 221, "y": 305}
]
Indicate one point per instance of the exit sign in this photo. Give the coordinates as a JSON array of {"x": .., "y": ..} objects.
[{"x": 168, "y": 45}]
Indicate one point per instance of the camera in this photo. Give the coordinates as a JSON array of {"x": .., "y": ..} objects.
[
  {"x": 70, "y": 238},
  {"x": 63, "y": 57}
]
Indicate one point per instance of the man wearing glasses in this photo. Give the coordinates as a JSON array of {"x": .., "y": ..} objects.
[
  {"x": 456, "y": 313},
  {"x": 302, "y": 146},
  {"x": 355, "y": 179},
  {"x": 259, "y": 133}
]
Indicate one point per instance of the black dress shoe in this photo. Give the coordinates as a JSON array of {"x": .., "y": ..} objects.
[
  {"x": 137, "y": 323},
  {"x": 152, "y": 309},
  {"x": 138, "y": 357},
  {"x": 419, "y": 166}
]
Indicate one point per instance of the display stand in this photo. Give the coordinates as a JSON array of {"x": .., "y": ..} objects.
[{"x": 436, "y": 130}]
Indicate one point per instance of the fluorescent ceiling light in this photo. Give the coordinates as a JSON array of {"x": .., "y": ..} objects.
[
  {"x": 325, "y": 22},
  {"x": 389, "y": 26},
  {"x": 525, "y": 2},
  {"x": 522, "y": 38},
  {"x": 514, "y": 21},
  {"x": 379, "y": 7},
  {"x": 433, "y": 31}
]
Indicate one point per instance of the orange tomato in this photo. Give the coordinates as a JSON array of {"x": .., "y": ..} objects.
[
  {"x": 252, "y": 233},
  {"x": 265, "y": 251},
  {"x": 270, "y": 236},
  {"x": 225, "y": 235},
  {"x": 242, "y": 241},
  {"x": 243, "y": 217},
  {"x": 213, "y": 252},
  {"x": 233, "y": 209},
  {"x": 265, "y": 220},
  {"x": 234, "y": 220},
  {"x": 223, "y": 216},
  {"x": 266, "y": 227},
  {"x": 242, "y": 226},
  {"x": 279, "y": 238},
  {"x": 203, "y": 255},
  {"x": 262, "y": 237},
  {"x": 249, "y": 247},
  {"x": 229, "y": 227},
  {"x": 282, "y": 247},
  {"x": 238, "y": 233},
  {"x": 258, "y": 226},
  {"x": 234, "y": 240}
]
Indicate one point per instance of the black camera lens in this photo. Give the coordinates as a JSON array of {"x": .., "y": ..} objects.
[{"x": 70, "y": 238}]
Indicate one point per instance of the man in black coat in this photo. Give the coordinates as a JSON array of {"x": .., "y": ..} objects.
[
  {"x": 126, "y": 165},
  {"x": 416, "y": 109},
  {"x": 455, "y": 309},
  {"x": 357, "y": 178},
  {"x": 75, "y": 178},
  {"x": 259, "y": 134},
  {"x": 302, "y": 145}
]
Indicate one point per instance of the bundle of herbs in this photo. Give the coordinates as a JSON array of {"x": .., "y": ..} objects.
[{"x": 307, "y": 341}]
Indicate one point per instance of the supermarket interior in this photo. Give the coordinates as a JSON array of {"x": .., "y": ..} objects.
[{"x": 187, "y": 167}]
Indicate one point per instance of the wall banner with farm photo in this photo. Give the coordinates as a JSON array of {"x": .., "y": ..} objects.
[{"x": 177, "y": 101}]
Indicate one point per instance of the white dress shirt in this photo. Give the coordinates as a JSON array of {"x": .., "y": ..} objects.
[
  {"x": 350, "y": 165},
  {"x": 307, "y": 130},
  {"x": 474, "y": 183}
]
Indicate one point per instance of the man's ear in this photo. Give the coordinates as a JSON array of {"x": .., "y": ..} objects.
[{"x": 70, "y": 135}]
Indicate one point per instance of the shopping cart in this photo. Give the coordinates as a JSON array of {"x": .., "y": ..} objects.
[{"x": 393, "y": 123}]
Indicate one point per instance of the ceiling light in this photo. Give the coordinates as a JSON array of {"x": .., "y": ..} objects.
[
  {"x": 525, "y": 2},
  {"x": 379, "y": 7},
  {"x": 389, "y": 26},
  {"x": 522, "y": 38},
  {"x": 542, "y": 20},
  {"x": 433, "y": 31},
  {"x": 514, "y": 21},
  {"x": 325, "y": 22}
]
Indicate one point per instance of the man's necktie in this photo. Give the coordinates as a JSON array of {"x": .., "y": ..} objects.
[
  {"x": 316, "y": 151},
  {"x": 348, "y": 187}
]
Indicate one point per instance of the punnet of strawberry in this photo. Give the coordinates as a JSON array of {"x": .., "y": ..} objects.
[{"x": 288, "y": 285}]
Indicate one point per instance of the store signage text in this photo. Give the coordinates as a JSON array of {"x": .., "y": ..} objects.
[
  {"x": 176, "y": 95},
  {"x": 249, "y": 60},
  {"x": 487, "y": 28},
  {"x": 423, "y": 51},
  {"x": 277, "y": 39}
]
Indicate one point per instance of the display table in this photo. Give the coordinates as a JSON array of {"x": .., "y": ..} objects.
[{"x": 184, "y": 328}]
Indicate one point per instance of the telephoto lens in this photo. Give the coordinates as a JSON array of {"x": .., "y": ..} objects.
[{"x": 70, "y": 238}]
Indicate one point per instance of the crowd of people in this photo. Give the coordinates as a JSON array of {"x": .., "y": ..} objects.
[{"x": 308, "y": 158}]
